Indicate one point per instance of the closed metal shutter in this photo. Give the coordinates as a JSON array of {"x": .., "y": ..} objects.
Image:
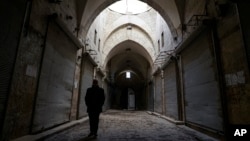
[
  {"x": 158, "y": 95},
  {"x": 201, "y": 88},
  {"x": 11, "y": 27},
  {"x": 56, "y": 81},
  {"x": 7, "y": 63},
  {"x": 170, "y": 91},
  {"x": 107, "y": 96},
  {"x": 87, "y": 75},
  {"x": 151, "y": 97}
]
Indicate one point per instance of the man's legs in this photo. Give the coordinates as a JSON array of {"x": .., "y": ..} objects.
[{"x": 93, "y": 122}]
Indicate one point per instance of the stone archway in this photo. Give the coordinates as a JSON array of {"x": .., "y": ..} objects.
[{"x": 87, "y": 13}]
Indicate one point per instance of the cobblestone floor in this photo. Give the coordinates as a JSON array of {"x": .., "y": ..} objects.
[{"x": 131, "y": 126}]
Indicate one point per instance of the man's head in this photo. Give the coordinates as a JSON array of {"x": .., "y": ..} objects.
[{"x": 95, "y": 82}]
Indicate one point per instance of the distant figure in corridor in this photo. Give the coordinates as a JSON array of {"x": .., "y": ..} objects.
[{"x": 94, "y": 100}]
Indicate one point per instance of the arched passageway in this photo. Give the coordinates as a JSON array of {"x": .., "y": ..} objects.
[
  {"x": 188, "y": 62},
  {"x": 128, "y": 44},
  {"x": 128, "y": 57}
]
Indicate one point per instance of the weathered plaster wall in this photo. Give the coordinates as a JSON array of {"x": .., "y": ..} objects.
[
  {"x": 235, "y": 68},
  {"x": 194, "y": 7},
  {"x": 66, "y": 11}
]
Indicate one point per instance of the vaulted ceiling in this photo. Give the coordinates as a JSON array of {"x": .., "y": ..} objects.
[{"x": 170, "y": 10}]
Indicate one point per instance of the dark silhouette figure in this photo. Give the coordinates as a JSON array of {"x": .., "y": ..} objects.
[{"x": 94, "y": 100}]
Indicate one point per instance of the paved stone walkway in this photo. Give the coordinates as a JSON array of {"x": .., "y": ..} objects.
[{"x": 131, "y": 126}]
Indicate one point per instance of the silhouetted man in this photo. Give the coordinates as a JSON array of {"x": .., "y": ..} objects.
[{"x": 94, "y": 100}]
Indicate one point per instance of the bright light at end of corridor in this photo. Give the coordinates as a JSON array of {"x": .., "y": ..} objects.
[{"x": 128, "y": 74}]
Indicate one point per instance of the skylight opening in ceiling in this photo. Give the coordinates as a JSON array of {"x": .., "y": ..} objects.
[{"x": 129, "y": 7}]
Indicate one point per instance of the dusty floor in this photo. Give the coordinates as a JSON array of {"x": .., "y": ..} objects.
[{"x": 131, "y": 126}]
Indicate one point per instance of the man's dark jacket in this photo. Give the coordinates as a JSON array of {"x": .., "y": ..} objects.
[{"x": 94, "y": 99}]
